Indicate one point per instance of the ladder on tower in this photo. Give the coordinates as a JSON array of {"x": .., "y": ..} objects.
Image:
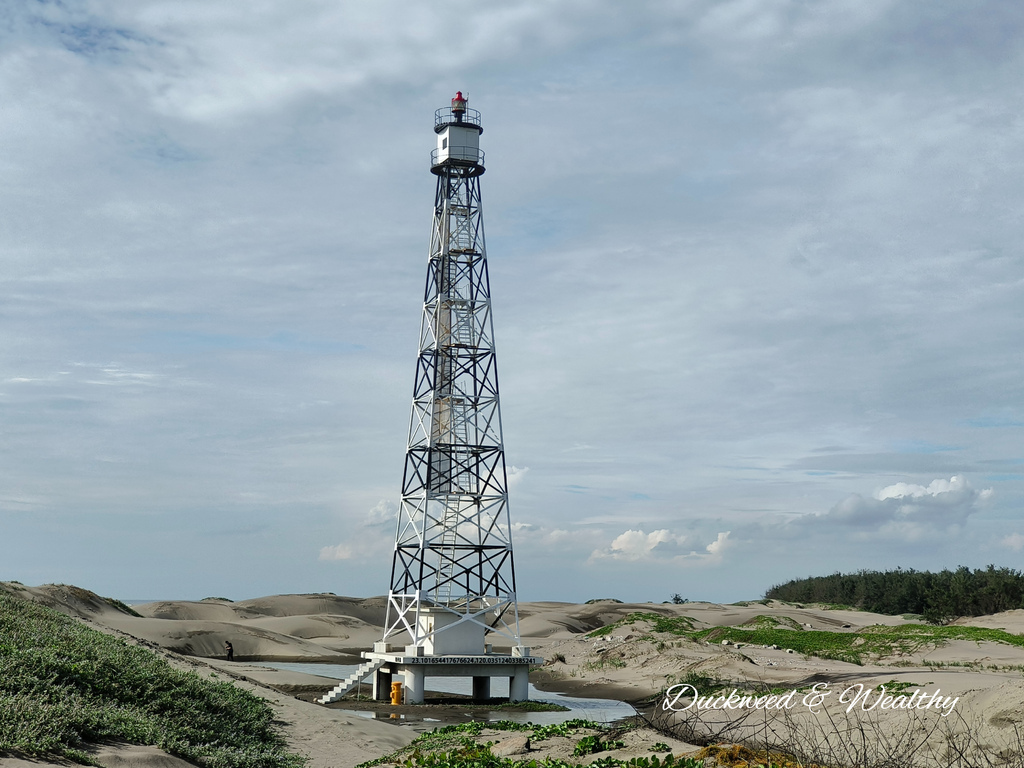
[
  {"x": 350, "y": 682},
  {"x": 446, "y": 566},
  {"x": 460, "y": 334},
  {"x": 448, "y": 552},
  {"x": 463, "y": 324}
]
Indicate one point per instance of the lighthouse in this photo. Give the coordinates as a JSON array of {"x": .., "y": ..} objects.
[{"x": 451, "y": 606}]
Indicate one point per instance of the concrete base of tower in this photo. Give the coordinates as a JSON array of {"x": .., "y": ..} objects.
[
  {"x": 481, "y": 688},
  {"x": 413, "y": 670},
  {"x": 448, "y": 633},
  {"x": 414, "y": 684},
  {"x": 519, "y": 685},
  {"x": 382, "y": 684}
]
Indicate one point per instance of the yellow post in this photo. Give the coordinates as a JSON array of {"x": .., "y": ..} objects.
[{"x": 396, "y": 693}]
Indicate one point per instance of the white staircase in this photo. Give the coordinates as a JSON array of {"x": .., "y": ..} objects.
[{"x": 350, "y": 682}]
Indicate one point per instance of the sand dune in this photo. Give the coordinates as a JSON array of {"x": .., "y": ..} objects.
[
  {"x": 632, "y": 662},
  {"x": 317, "y": 627},
  {"x": 311, "y": 627}
]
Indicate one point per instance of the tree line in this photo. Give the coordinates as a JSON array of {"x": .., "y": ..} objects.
[{"x": 938, "y": 597}]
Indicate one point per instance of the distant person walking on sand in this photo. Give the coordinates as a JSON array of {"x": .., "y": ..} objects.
[{"x": 230, "y": 649}]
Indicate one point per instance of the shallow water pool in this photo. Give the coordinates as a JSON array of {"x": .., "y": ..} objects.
[{"x": 598, "y": 710}]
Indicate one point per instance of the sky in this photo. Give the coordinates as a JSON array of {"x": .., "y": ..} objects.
[{"x": 756, "y": 271}]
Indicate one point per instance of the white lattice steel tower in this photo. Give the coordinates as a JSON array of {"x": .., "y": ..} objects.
[
  {"x": 452, "y": 578},
  {"x": 453, "y": 585}
]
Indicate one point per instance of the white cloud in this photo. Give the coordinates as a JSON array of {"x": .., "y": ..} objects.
[
  {"x": 827, "y": 266},
  {"x": 660, "y": 546},
  {"x": 955, "y": 484},
  {"x": 557, "y": 536},
  {"x": 637, "y": 545},
  {"x": 756, "y": 30},
  {"x": 516, "y": 475},
  {"x": 1014, "y": 541},
  {"x": 380, "y": 521},
  {"x": 384, "y": 512},
  {"x": 901, "y": 512},
  {"x": 907, "y": 511},
  {"x": 337, "y": 552},
  {"x": 717, "y": 546},
  {"x": 527, "y": 536},
  {"x": 206, "y": 61}
]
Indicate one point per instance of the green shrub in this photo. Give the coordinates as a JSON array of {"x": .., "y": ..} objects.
[{"x": 63, "y": 685}]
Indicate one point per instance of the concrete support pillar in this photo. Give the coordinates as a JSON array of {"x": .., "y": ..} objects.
[
  {"x": 519, "y": 685},
  {"x": 481, "y": 688},
  {"x": 414, "y": 679},
  {"x": 382, "y": 685}
]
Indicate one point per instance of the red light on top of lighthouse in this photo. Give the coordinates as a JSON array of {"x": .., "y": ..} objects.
[{"x": 459, "y": 102}]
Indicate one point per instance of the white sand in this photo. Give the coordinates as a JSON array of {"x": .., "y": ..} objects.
[{"x": 630, "y": 663}]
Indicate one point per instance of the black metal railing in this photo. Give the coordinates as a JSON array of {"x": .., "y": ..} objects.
[
  {"x": 457, "y": 155},
  {"x": 445, "y": 116}
]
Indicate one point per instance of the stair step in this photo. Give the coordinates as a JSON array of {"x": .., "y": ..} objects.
[{"x": 351, "y": 681}]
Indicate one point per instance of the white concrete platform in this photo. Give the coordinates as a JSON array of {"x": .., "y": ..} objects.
[{"x": 415, "y": 667}]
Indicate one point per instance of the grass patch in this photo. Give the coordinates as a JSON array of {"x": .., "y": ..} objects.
[
  {"x": 956, "y": 664},
  {"x": 706, "y": 684},
  {"x": 744, "y": 757},
  {"x": 772, "y": 622},
  {"x": 877, "y": 641},
  {"x": 124, "y": 607},
  {"x": 874, "y": 642},
  {"x": 528, "y": 706},
  {"x": 63, "y": 685},
  {"x": 900, "y": 688},
  {"x": 478, "y": 756},
  {"x": 591, "y": 745},
  {"x": 462, "y": 736},
  {"x": 677, "y": 625},
  {"x": 456, "y": 746},
  {"x": 592, "y": 666}
]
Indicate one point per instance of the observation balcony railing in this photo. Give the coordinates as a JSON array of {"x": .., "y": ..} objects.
[
  {"x": 445, "y": 116},
  {"x": 457, "y": 156}
]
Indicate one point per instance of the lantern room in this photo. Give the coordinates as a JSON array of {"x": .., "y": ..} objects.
[{"x": 458, "y": 132}]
